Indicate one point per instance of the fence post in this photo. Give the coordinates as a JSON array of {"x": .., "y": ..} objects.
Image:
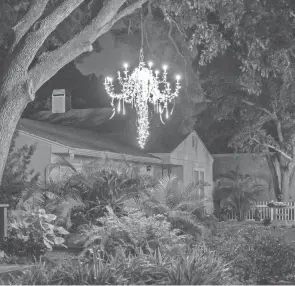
[
  {"x": 3, "y": 220},
  {"x": 271, "y": 213}
]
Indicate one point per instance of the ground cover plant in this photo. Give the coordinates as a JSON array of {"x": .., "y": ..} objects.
[{"x": 258, "y": 254}]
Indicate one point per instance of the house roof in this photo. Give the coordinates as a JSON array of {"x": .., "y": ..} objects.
[
  {"x": 81, "y": 118},
  {"x": 78, "y": 138},
  {"x": 157, "y": 143}
]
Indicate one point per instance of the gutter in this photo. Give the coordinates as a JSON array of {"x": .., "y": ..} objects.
[{"x": 94, "y": 153}]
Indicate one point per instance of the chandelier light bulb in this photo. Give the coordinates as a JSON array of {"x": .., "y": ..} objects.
[
  {"x": 165, "y": 67},
  {"x": 125, "y": 65},
  {"x": 177, "y": 77},
  {"x": 150, "y": 64}
]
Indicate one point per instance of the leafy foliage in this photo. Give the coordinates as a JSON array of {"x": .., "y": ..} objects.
[
  {"x": 83, "y": 195},
  {"x": 17, "y": 176},
  {"x": 201, "y": 267},
  {"x": 18, "y": 247},
  {"x": 257, "y": 256},
  {"x": 140, "y": 269},
  {"x": 183, "y": 208},
  {"x": 37, "y": 226},
  {"x": 132, "y": 232},
  {"x": 237, "y": 191}
]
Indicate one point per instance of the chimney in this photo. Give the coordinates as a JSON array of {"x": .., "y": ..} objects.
[{"x": 61, "y": 101}]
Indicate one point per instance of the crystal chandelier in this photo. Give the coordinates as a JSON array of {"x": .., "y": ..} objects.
[{"x": 141, "y": 88}]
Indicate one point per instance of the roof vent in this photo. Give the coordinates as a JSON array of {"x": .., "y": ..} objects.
[{"x": 61, "y": 101}]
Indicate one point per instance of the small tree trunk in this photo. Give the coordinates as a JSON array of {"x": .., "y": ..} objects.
[
  {"x": 274, "y": 176},
  {"x": 285, "y": 183},
  {"x": 11, "y": 109}
]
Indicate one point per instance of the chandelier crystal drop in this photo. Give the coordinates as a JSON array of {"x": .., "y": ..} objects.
[{"x": 141, "y": 88}]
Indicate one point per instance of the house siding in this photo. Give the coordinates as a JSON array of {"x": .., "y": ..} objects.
[
  {"x": 79, "y": 161},
  {"x": 42, "y": 156},
  {"x": 193, "y": 155}
]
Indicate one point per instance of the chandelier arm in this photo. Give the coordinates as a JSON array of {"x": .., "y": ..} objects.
[
  {"x": 162, "y": 118},
  {"x": 113, "y": 107},
  {"x": 173, "y": 106}
]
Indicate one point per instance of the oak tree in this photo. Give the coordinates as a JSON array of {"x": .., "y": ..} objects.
[{"x": 34, "y": 48}]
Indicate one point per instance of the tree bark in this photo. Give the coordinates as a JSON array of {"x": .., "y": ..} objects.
[
  {"x": 10, "y": 113},
  {"x": 274, "y": 176},
  {"x": 285, "y": 183}
]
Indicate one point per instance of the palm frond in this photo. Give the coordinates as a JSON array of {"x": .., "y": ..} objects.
[{"x": 61, "y": 162}]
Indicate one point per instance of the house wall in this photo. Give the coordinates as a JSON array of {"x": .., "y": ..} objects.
[
  {"x": 80, "y": 161},
  {"x": 254, "y": 165},
  {"x": 42, "y": 156},
  {"x": 193, "y": 155}
]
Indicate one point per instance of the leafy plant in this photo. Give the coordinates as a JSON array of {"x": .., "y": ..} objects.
[
  {"x": 132, "y": 232},
  {"x": 238, "y": 191},
  {"x": 17, "y": 176},
  {"x": 37, "y": 226},
  {"x": 83, "y": 195},
  {"x": 200, "y": 267},
  {"x": 257, "y": 257},
  {"x": 183, "y": 208},
  {"x": 19, "y": 247},
  {"x": 266, "y": 221}
]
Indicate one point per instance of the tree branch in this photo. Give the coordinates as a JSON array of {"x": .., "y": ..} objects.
[
  {"x": 274, "y": 148},
  {"x": 178, "y": 51},
  {"x": 34, "y": 12},
  {"x": 34, "y": 40},
  {"x": 50, "y": 63},
  {"x": 271, "y": 114}
]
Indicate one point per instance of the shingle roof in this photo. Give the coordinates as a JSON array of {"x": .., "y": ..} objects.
[
  {"x": 157, "y": 143},
  {"x": 78, "y": 138}
]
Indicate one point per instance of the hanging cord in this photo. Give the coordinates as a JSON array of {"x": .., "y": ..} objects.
[{"x": 141, "y": 31}]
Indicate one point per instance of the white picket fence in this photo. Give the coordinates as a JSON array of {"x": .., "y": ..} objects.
[{"x": 287, "y": 213}]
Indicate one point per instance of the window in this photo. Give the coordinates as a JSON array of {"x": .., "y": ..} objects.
[{"x": 199, "y": 178}]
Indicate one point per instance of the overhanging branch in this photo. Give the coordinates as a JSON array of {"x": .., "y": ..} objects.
[
  {"x": 34, "y": 40},
  {"x": 34, "y": 12},
  {"x": 271, "y": 114},
  {"x": 274, "y": 148},
  {"x": 50, "y": 63}
]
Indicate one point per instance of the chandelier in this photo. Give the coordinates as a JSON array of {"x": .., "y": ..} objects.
[{"x": 141, "y": 88}]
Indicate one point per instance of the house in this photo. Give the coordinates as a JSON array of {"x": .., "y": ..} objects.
[
  {"x": 80, "y": 147},
  {"x": 185, "y": 156}
]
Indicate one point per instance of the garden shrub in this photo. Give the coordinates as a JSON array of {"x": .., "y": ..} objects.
[
  {"x": 257, "y": 256},
  {"x": 134, "y": 230},
  {"x": 36, "y": 226},
  {"x": 200, "y": 267},
  {"x": 14, "y": 246}
]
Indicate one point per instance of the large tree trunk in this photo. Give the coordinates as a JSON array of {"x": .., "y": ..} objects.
[
  {"x": 274, "y": 176},
  {"x": 11, "y": 109}
]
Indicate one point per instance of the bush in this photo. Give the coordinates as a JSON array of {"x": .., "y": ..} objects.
[
  {"x": 257, "y": 257},
  {"x": 14, "y": 246},
  {"x": 200, "y": 267},
  {"x": 133, "y": 231},
  {"x": 37, "y": 227},
  {"x": 266, "y": 221}
]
